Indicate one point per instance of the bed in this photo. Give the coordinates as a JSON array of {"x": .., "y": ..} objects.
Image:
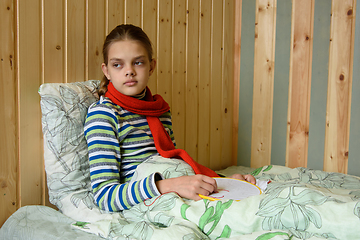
[{"x": 298, "y": 203}]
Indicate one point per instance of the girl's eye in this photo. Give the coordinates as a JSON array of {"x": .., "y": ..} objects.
[
  {"x": 116, "y": 65},
  {"x": 138, "y": 63}
]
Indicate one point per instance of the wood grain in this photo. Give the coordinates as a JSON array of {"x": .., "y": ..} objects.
[
  {"x": 342, "y": 35},
  {"x": 9, "y": 168},
  {"x": 227, "y": 82},
  {"x": 179, "y": 71},
  {"x": 204, "y": 82},
  {"x": 31, "y": 64},
  {"x": 300, "y": 83},
  {"x": 192, "y": 80},
  {"x": 265, "y": 24},
  {"x": 75, "y": 41},
  {"x": 216, "y": 91},
  {"x": 96, "y": 35},
  {"x": 149, "y": 25},
  {"x": 116, "y": 12},
  {"x": 133, "y": 12},
  {"x": 164, "y": 55}
]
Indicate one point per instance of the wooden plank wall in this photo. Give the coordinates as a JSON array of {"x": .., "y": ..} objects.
[
  {"x": 61, "y": 41},
  {"x": 8, "y": 114},
  {"x": 296, "y": 74},
  {"x": 251, "y": 82}
]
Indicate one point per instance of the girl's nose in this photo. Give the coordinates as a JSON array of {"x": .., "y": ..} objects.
[{"x": 130, "y": 72}]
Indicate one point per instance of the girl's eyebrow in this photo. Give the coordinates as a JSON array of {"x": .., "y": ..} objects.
[{"x": 119, "y": 59}]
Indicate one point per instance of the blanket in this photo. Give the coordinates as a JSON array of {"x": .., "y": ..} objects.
[{"x": 298, "y": 203}]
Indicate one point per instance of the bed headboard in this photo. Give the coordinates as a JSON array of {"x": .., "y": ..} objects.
[{"x": 249, "y": 82}]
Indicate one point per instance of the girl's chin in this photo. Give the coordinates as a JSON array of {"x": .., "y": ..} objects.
[{"x": 132, "y": 92}]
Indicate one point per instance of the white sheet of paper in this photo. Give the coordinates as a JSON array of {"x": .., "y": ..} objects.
[{"x": 230, "y": 188}]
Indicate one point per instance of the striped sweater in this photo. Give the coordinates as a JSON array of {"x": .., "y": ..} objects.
[{"x": 118, "y": 141}]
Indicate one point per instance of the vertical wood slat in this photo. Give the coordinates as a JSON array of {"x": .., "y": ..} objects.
[
  {"x": 204, "y": 82},
  {"x": 32, "y": 182},
  {"x": 75, "y": 40},
  {"x": 9, "y": 192},
  {"x": 227, "y": 82},
  {"x": 116, "y": 14},
  {"x": 54, "y": 41},
  {"x": 342, "y": 35},
  {"x": 300, "y": 83},
  {"x": 97, "y": 32},
  {"x": 179, "y": 70},
  {"x": 216, "y": 112},
  {"x": 133, "y": 12},
  {"x": 192, "y": 80},
  {"x": 164, "y": 67},
  {"x": 237, "y": 56},
  {"x": 149, "y": 25},
  {"x": 263, "y": 82}
]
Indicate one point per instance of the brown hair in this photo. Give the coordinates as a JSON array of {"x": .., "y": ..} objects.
[{"x": 121, "y": 33}]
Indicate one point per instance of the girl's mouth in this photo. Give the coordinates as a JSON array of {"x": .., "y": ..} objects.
[{"x": 130, "y": 83}]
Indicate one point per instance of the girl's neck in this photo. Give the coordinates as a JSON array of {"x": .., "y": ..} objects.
[{"x": 140, "y": 95}]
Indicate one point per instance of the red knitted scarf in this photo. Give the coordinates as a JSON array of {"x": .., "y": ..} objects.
[{"x": 153, "y": 107}]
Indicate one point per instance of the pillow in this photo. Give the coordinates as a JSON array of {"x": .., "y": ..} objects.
[{"x": 64, "y": 108}]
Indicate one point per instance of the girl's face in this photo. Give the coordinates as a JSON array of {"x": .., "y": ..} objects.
[{"x": 128, "y": 67}]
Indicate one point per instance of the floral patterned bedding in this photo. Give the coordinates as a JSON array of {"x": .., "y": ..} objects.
[{"x": 297, "y": 204}]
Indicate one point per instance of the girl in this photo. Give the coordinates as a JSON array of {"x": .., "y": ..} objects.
[{"x": 129, "y": 125}]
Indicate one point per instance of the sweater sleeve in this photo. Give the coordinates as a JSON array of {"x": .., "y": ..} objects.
[
  {"x": 167, "y": 122},
  {"x": 101, "y": 132}
]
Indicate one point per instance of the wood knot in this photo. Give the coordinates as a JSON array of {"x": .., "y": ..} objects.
[
  {"x": 8, "y": 8},
  {"x": 346, "y": 154},
  {"x": 226, "y": 110},
  {"x": 350, "y": 12},
  {"x": 342, "y": 77},
  {"x": 307, "y": 38},
  {"x": 58, "y": 47}
]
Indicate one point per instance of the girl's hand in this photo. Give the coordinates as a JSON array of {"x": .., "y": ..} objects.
[
  {"x": 248, "y": 177},
  {"x": 188, "y": 186}
]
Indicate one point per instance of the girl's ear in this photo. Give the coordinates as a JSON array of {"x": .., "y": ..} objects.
[
  {"x": 152, "y": 66},
  {"x": 105, "y": 70}
]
